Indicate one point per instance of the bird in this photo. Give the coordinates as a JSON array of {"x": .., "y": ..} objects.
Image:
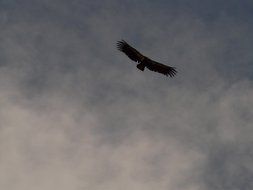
[{"x": 144, "y": 61}]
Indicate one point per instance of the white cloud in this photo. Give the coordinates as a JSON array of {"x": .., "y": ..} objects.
[{"x": 76, "y": 113}]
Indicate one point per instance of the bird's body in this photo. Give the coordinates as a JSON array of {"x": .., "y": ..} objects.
[{"x": 144, "y": 61}]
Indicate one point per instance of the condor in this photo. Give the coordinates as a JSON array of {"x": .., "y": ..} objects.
[{"x": 144, "y": 61}]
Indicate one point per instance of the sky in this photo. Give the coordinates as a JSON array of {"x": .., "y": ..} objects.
[{"x": 77, "y": 114}]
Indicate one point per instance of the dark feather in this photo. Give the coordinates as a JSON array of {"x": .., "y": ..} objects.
[
  {"x": 129, "y": 51},
  {"x": 160, "y": 68}
]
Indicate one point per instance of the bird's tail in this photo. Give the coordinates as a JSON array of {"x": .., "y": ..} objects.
[{"x": 141, "y": 66}]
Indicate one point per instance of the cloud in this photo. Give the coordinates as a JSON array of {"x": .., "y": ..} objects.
[{"x": 77, "y": 114}]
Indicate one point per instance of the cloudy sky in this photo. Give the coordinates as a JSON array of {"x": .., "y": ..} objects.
[{"x": 77, "y": 114}]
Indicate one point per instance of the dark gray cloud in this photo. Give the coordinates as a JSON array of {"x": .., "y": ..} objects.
[{"x": 77, "y": 114}]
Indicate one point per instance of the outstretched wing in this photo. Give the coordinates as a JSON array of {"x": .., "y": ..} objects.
[
  {"x": 129, "y": 51},
  {"x": 161, "y": 68}
]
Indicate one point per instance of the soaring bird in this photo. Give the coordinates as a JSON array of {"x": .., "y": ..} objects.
[{"x": 144, "y": 61}]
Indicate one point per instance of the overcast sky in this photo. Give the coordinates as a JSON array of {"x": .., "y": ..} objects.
[{"x": 76, "y": 114}]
